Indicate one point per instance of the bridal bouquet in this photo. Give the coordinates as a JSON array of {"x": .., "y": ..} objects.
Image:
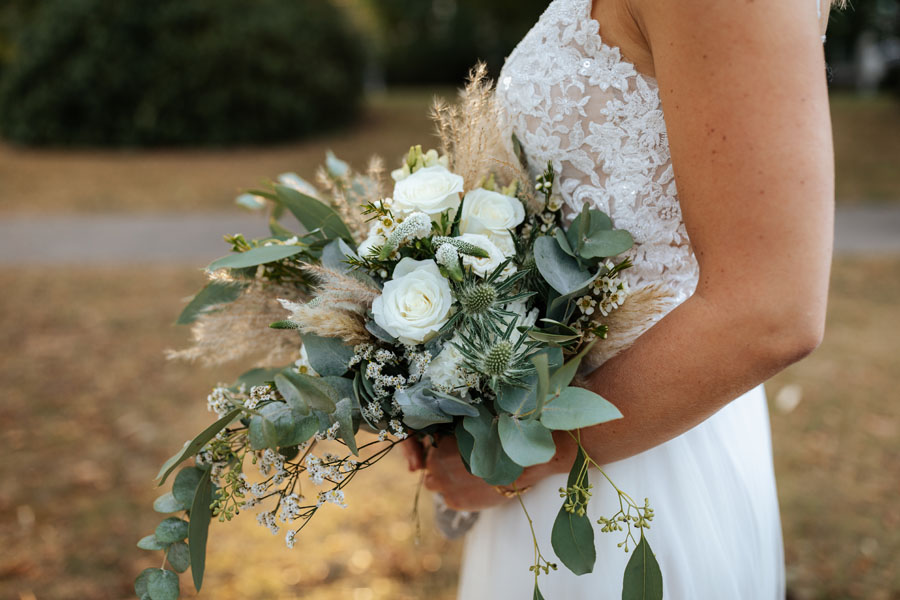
[{"x": 459, "y": 304}]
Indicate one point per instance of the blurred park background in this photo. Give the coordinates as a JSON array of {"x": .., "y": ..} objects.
[{"x": 117, "y": 115}]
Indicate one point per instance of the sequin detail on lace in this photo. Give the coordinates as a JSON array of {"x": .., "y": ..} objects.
[{"x": 574, "y": 101}]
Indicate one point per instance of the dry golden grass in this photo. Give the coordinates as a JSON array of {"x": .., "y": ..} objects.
[
  {"x": 867, "y": 140},
  {"x": 91, "y": 409}
]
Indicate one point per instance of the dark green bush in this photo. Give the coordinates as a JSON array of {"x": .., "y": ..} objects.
[
  {"x": 139, "y": 72},
  {"x": 440, "y": 40}
]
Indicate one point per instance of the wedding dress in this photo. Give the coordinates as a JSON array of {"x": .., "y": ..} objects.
[{"x": 574, "y": 101}]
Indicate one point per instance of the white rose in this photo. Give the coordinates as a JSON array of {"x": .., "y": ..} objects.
[
  {"x": 484, "y": 266},
  {"x": 492, "y": 214},
  {"x": 431, "y": 190},
  {"x": 415, "y": 303}
]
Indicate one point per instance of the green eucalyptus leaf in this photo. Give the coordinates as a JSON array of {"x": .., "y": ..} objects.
[
  {"x": 552, "y": 338},
  {"x": 559, "y": 269},
  {"x": 167, "y": 503},
  {"x": 255, "y": 256},
  {"x": 465, "y": 443},
  {"x": 140, "y": 583},
  {"x": 198, "y": 528},
  {"x": 171, "y": 530},
  {"x": 342, "y": 385},
  {"x": 291, "y": 426},
  {"x": 162, "y": 584},
  {"x": 577, "y": 407},
  {"x": 537, "y": 592},
  {"x": 313, "y": 214},
  {"x": 488, "y": 459},
  {"x": 643, "y": 577},
  {"x": 276, "y": 228},
  {"x": 150, "y": 542},
  {"x": 193, "y": 447},
  {"x": 213, "y": 294},
  {"x": 564, "y": 244},
  {"x": 327, "y": 356},
  {"x": 542, "y": 367},
  {"x": 587, "y": 224},
  {"x": 526, "y": 442},
  {"x": 607, "y": 243},
  {"x": 251, "y": 201},
  {"x": 518, "y": 400},
  {"x": 179, "y": 556},
  {"x": 564, "y": 375},
  {"x": 572, "y": 536},
  {"x": 291, "y": 394},
  {"x": 376, "y": 330},
  {"x": 186, "y": 484},
  {"x": 343, "y": 416},
  {"x": 314, "y": 391},
  {"x": 257, "y": 376}
]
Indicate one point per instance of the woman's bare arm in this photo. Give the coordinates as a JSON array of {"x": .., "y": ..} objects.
[
  {"x": 742, "y": 84},
  {"x": 746, "y": 107}
]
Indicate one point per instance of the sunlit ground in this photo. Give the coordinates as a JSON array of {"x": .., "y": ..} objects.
[
  {"x": 866, "y": 131},
  {"x": 91, "y": 409}
]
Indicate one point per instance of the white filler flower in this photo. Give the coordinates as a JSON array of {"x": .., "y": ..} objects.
[
  {"x": 431, "y": 190},
  {"x": 492, "y": 214},
  {"x": 484, "y": 266},
  {"x": 415, "y": 303}
]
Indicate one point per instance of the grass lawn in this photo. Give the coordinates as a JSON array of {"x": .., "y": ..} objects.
[
  {"x": 89, "y": 415},
  {"x": 866, "y": 131}
]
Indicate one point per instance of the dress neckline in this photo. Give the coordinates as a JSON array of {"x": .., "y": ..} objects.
[{"x": 585, "y": 14}]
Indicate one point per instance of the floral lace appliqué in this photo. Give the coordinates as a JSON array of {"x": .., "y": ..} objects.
[{"x": 575, "y": 102}]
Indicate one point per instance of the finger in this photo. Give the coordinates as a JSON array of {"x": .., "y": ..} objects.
[{"x": 414, "y": 453}]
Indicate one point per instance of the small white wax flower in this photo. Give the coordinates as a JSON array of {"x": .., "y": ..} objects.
[
  {"x": 432, "y": 190},
  {"x": 415, "y": 303}
]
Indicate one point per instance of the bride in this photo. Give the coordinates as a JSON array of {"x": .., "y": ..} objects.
[{"x": 727, "y": 100}]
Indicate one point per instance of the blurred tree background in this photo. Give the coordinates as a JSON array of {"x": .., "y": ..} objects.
[{"x": 91, "y": 72}]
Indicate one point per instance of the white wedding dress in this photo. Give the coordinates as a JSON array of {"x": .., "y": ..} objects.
[{"x": 574, "y": 101}]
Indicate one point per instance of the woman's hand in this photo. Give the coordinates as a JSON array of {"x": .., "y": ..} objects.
[{"x": 447, "y": 475}]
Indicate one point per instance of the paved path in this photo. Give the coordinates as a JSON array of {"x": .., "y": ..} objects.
[{"x": 196, "y": 238}]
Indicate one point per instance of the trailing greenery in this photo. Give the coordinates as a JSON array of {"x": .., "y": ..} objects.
[{"x": 94, "y": 72}]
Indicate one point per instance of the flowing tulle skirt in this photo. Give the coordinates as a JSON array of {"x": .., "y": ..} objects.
[{"x": 716, "y": 533}]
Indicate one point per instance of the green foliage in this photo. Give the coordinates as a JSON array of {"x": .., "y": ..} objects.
[
  {"x": 488, "y": 460},
  {"x": 327, "y": 356},
  {"x": 162, "y": 584},
  {"x": 194, "y": 446},
  {"x": 171, "y": 530},
  {"x": 214, "y": 293},
  {"x": 167, "y": 503},
  {"x": 577, "y": 407},
  {"x": 643, "y": 577},
  {"x": 198, "y": 528},
  {"x": 255, "y": 256},
  {"x": 572, "y": 536},
  {"x": 94, "y": 72},
  {"x": 558, "y": 268},
  {"x": 150, "y": 542},
  {"x": 179, "y": 556},
  {"x": 314, "y": 214},
  {"x": 525, "y": 442}
]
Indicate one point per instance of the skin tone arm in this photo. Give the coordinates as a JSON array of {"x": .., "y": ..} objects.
[{"x": 743, "y": 88}]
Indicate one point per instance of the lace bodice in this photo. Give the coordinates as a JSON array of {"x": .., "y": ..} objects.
[{"x": 572, "y": 100}]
